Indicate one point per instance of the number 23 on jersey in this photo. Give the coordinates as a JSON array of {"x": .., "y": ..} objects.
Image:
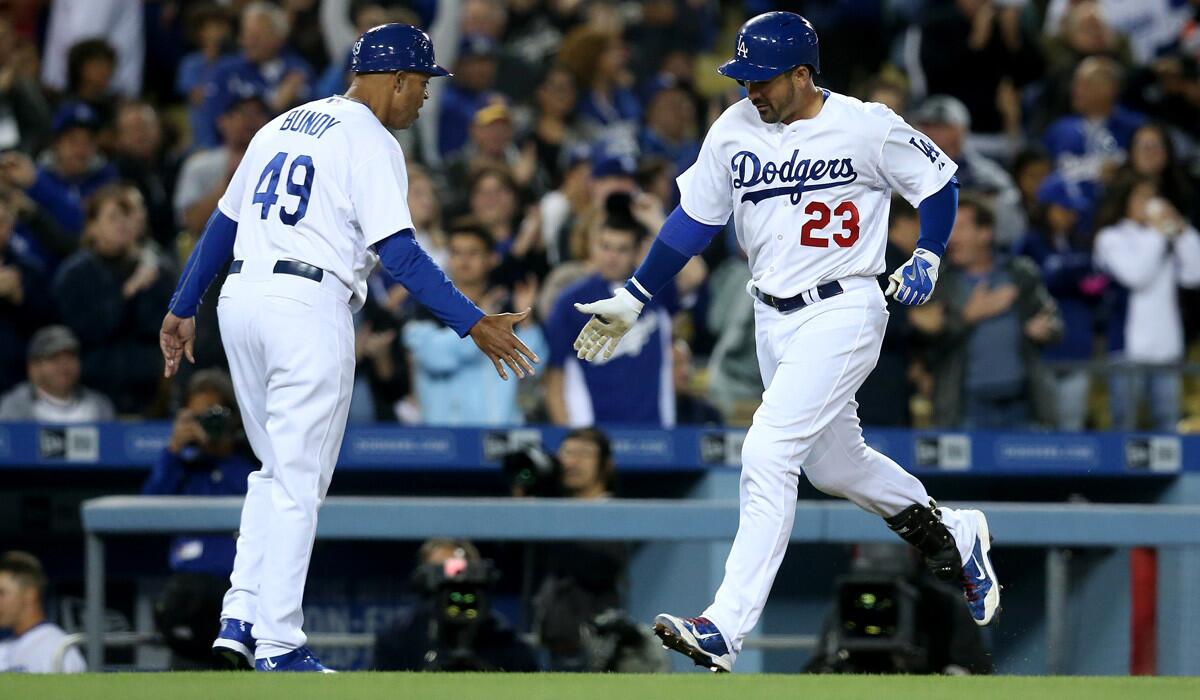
[
  {"x": 298, "y": 184},
  {"x": 814, "y": 233}
]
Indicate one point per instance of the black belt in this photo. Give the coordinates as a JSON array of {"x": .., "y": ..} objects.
[
  {"x": 825, "y": 291},
  {"x": 287, "y": 267}
]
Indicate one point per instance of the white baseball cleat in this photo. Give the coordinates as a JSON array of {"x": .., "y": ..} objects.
[
  {"x": 696, "y": 638},
  {"x": 980, "y": 586}
]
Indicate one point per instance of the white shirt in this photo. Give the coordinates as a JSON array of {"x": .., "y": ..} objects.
[
  {"x": 33, "y": 652},
  {"x": 1136, "y": 256},
  {"x": 319, "y": 184},
  {"x": 848, "y": 158}
]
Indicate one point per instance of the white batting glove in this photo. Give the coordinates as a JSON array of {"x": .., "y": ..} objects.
[
  {"x": 913, "y": 282},
  {"x": 611, "y": 319}
]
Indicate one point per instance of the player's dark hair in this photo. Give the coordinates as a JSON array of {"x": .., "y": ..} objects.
[
  {"x": 468, "y": 226},
  {"x": 25, "y": 568},
  {"x": 608, "y": 468},
  {"x": 981, "y": 209},
  {"x": 84, "y": 52}
]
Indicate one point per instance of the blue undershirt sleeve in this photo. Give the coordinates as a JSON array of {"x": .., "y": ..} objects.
[
  {"x": 937, "y": 214},
  {"x": 212, "y": 251},
  {"x": 681, "y": 238},
  {"x": 412, "y": 267}
]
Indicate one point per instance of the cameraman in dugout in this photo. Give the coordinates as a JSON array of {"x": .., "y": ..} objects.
[{"x": 206, "y": 455}]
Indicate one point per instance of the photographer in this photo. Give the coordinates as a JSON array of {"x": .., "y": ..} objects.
[
  {"x": 453, "y": 626},
  {"x": 205, "y": 456}
]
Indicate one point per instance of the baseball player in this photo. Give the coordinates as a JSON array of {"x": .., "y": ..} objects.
[
  {"x": 807, "y": 175},
  {"x": 317, "y": 201}
]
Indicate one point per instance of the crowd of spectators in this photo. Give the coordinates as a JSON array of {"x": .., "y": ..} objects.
[{"x": 541, "y": 170}]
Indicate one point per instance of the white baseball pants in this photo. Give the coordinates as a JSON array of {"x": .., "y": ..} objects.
[
  {"x": 290, "y": 343},
  {"x": 812, "y": 360}
]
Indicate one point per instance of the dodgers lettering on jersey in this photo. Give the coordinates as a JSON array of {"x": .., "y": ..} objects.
[
  {"x": 320, "y": 184},
  {"x": 810, "y": 199}
]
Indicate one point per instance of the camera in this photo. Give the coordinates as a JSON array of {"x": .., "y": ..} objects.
[
  {"x": 459, "y": 590},
  {"x": 217, "y": 422},
  {"x": 533, "y": 470}
]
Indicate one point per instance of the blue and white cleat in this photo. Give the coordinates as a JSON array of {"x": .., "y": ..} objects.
[
  {"x": 234, "y": 645},
  {"x": 980, "y": 587},
  {"x": 297, "y": 660},
  {"x": 696, "y": 638}
]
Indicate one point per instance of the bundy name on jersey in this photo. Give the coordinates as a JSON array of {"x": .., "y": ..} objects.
[{"x": 800, "y": 175}]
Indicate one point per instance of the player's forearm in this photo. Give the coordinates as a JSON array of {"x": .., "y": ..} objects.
[
  {"x": 213, "y": 250},
  {"x": 411, "y": 266},
  {"x": 937, "y": 214},
  {"x": 681, "y": 238}
]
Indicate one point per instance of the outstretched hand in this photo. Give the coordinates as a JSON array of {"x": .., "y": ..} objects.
[
  {"x": 494, "y": 336},
  {"x": 176, "y": 339}
]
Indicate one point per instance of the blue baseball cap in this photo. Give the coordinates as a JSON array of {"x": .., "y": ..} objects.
[
  {"x": 473, "y": 45},
  {"x": 73, "y": 115},
  {"x": 1057, "y": 190}
]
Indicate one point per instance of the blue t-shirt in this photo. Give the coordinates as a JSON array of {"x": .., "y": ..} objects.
[
  {"x": 1079, "y": 147},
  {"x": 635, "y": 386}
]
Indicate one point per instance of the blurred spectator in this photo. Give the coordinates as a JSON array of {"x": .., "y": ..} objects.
[
  {"x": 608, "y": 108},
  {"x": 71, "y": 170},
  {"x": 206, "y": 455},
  {"x": 1057, "y": 243},
  {"x": 581, "y": 579},
  {"x": 734, "y": 381},
  {"x": 24, "y": 298},
  {"x": 1152, "y": 155},
  {"x": 111, "y": 293},
  {"x": 561, "y": 210},
  {"x": 91, "y": 65},
  {"x": 1032, "y": 165},
  {"x": 35, "y": 640},
  {"x": 209, "y": 29},
  {"x": 1169, "y": 90},
  {"x": 634, "y": 386},
  {"x": 978, "y": 51},
  {"x": 1151, "y": 250},
  {"x": 554, "y": 133},
  {"x": 1081, "y": 33},
  {"x": 436, "y": 634},
  {"x": 426, "y": 211},
  {"x": 454, "y": 383},
  {"x": 53, "y": 393},
  {"x": 336, "y": 77},
  {"x": 470, "y": 90},
  {"x": 1149, "y": 25},
  {"x": 24, "y": 114},
  {"x": 670, "y": 129},
  {"x": 984, "y": 354},
  {"x": 1090, "y": 144},
  {"x": 206, "y": 173},
  {"x": 690, "y": 408},
  {"x": 491, "y": 145},
  {"x": 72, "y": 21},
  {"x": 139, "y": 157},
  {"x": 264, "y": 66},
  {"x": 947, "y": 121},
  {"x": 494, "y": 204}
]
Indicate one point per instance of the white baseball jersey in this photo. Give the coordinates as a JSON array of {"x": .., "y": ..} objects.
[
  {"x": 319, "y": 184},
  {"x": 810, "y": 199},
  {"x": 34, "y": 651}
]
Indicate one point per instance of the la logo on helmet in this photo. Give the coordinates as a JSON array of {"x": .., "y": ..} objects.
[{"x": 741, "y": 49}]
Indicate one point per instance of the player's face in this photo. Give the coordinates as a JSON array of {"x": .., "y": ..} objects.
[
  {"x": 775, "y": 99},
  {"x": 411, "y": 91},
  {"x": 12, "y": 600}
]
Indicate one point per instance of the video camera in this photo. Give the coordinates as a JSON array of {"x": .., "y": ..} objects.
[
  {"x": 459, "y": 591},
  {"x": 534, "y": 471}
]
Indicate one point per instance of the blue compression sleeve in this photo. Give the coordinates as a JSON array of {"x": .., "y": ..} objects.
[
  {"x": 412, "y": 267},
  {"x": 937, "y": 214},
  {"x": 681, "y": 238},
  {"x": 212, "y": 251}
]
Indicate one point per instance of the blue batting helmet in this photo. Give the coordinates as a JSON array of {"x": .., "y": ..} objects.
[
  {"x": 394, "y": 47},
  {"x": 770, "y": 44}
]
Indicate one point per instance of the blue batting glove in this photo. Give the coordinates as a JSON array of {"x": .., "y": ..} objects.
[{"x": 913, "y": 282}]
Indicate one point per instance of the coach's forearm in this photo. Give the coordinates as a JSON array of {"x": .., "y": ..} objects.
[
  {"x": 937, "y": 214},
  {"x": 681, "y": 238},
  {"x": 212, "y": 251},
  {"x": 411, "y": 266}
]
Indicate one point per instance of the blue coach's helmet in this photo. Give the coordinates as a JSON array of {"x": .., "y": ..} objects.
[
  {"x": 395, "y": 47},
  {"x": 770, "y": 44}
]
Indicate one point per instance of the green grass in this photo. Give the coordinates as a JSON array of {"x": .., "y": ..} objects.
[{"x": 464, "y": 686}]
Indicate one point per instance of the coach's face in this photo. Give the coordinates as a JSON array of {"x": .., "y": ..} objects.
[
  {"x": 409, "y": 93},
  {"x": 777, "y": 99}
]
